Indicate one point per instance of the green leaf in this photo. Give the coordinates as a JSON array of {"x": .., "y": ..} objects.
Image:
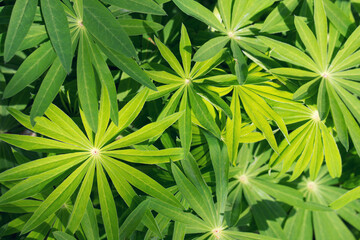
[
  {"x": 37, "y": 183},
  {"x": 170, "y": 58},
  {"x": 185, "y": 50},
  {"x": 321, "y": 28},
  {"x": 106, "y": 29},
  {"x": 106, "y": 78},
  {"x": 135, "y": 27},
  {"x": 346, "y": 198},
  {"x": 67, "y": 125},
  {"x": 31, "y": 69},
  {"x": 58, "y": 29},
  {"x": 185, "y": 125},
  {"x": 126, "y": 116},
  {"x": 86, "y": 84},
  {"x": 298, "y": 225},
  {"x": 129, "y": 66},
  {"x": 178, "y": 215},
  {"x": 107, "y": 205},
  {"x": 279, "y": 14},
  {"x": 233, "y": 127},
  {"x": 142, "y": 6},
  {"x": 202, "y": 206},
  {"x": 199, "y": 12},
  {"x": 22, "y": 17},
  {"x": 309, "y": 40},
  {"x": 220, "y": 161},
  {"x": 144, "y": 133},
  {"x": 57, "y": 198},
  {"x": 50, "y": 85},
  {"x": 247, "y": 236},
  {"x": 202, "y": 113},
  {"x": 89, "y": 223},
  {"x": 210, "y": 48},
  {"x": 63, "y": 236},
  {"x": 133, "y": 220},
  {"x": 241, "y": 68},
  {"x": 225, "y": 7}
]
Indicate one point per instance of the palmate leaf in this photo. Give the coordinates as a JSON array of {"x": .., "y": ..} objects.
[
  {"x": 323, "y": 72},
  {"x": 80, "y": 167},
  {"x": 309, "y": 143},
  {"x": 320, "y": 190}
]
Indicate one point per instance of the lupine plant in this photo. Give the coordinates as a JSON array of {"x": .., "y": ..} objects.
[{"x": 180, "y": 119}]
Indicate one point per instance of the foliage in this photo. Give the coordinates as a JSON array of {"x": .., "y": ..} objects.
[{"x": 182, "y": 119}]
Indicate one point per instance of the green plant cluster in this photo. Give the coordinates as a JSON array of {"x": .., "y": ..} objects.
[{"x": 181, "y": 119}]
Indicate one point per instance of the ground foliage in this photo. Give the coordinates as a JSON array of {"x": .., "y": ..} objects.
[{"x": 182, "y": 119}]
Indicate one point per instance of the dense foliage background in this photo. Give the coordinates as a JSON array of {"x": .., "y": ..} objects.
[{"x": 182, "y": 119}]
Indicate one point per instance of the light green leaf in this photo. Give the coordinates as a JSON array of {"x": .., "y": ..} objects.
[
  {"x": 332, "y": 154},
  {"x": 35, "y": 167},
  {"x": 321, "y": 29},
  {"x": 340, "y": 20},
  {"x": 107, "y": 205},
  {"x": 346, "y": 198},
  {"x": 37, "y": 143},
  {"x": 82, "y": 198},
  {"x": 57, "y": 198},
  {"x": 290, "y": 53},
  {"x": 144, "y": 133},
  {"x": 147, "y": 156},
  {"x": 185, "y": 50},
  {"x": 142, "y": 182},
  {"x": 170, "y": 58},
  {"x": 309, "y": 40},
  {"x": 185, "y": 125},
  {"x": 126, "y": 116}
]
